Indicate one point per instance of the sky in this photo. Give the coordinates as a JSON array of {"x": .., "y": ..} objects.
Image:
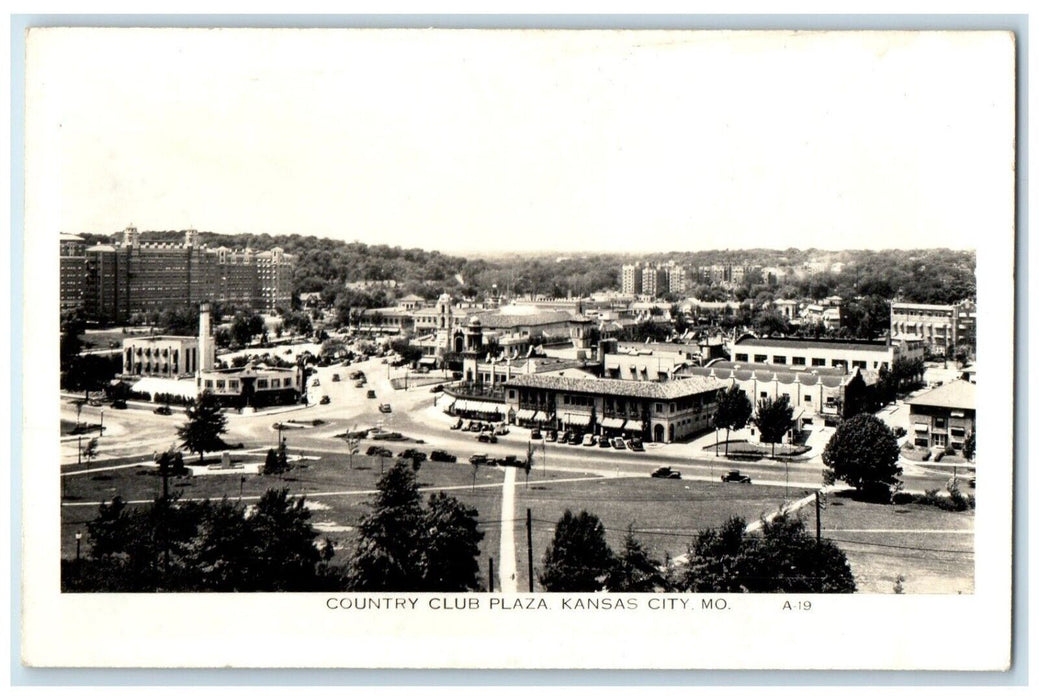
[{"x": 527, "y": 141}]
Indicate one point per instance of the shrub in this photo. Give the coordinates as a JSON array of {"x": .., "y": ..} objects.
[
  {"x": 949, "y": 451},
  {"x": 900, "y": 432}
]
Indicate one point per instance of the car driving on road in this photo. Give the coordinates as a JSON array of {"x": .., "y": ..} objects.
[
  {"x": 666, "y": 473},
  {"x": 735, "y": 477}
]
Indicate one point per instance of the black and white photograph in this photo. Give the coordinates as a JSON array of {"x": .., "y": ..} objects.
[{"x": 436, "y": 335}]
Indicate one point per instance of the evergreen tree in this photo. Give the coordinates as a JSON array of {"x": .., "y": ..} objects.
[
  {"x": 206, "y": 423},
  {"x": 969, "y": 447},
  {"x": 636, "y": 570},
  {"x": 579, "y": 559},
  {"x": 388, "y": 555},
  {"x": 452, "y": 546}
]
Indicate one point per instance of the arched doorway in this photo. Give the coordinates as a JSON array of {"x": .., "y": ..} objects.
[
  {"x": 658, "y": 433},
  {"x": 670, "y": 433},
  {"x": 459, "y": 343}
]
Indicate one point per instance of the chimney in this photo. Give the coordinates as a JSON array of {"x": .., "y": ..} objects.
[{"x": 206, "y": 347}]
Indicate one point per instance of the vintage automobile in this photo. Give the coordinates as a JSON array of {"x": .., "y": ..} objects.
[
  {"x": 325, "y": 400},
  {"x": 457, "y": 425},
  {"x": 385, "y": 408},
  {"x": 604, "y": 441},
  {"x": 588, "y": 440},
  {"x": 666, "y": 473},
  {"x": 734, "y": 477},
  {"x": 487, "y": 437},
  {"x": 441, "y": 456},
  {"x": 635, "y": 445},
  {"x": 478, "y": 458},
  {"x": 618, "y": 443},
  {"x": 535, "y": 434},
  {"x": 163, "y": 411},
  {"x": 371, "y": 393}
]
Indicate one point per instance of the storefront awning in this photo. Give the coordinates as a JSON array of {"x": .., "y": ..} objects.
[
  {"x": 485, "y": 407},
  {"x": 524, "y": 414},
  {"x": 577, "y": 419},
  {"x": 539, "y": 416},
  {"x": 612, "y": 423},
  {"x": 920, "y": 427},
  {"x": 427, "y": 361}
]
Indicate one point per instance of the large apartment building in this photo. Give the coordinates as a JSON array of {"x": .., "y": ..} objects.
[
  {"x": 72, "y": 268},
  {"x": 130, "y": 277},
  {"x": 938, "y": 325}
]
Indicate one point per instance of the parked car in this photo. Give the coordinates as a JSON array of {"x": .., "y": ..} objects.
[
  {"x": 358, "y": 385},
  {"x": 551, "y": 436},
  {"x": 94, "y": 402},
  {"x": 666, "y": 473},
  {"x": 436, "y": 388},
  {"x": 735, "y": 477},
  {"x": 380, "y": 434},
  {"x": 535, "y": 434},
  {"x": 457, "y": 425},
  {"x": 163, "y": 411},
  {"x": 441, "y": 456},
  {"x": 618, "y": 443},
  {"x": 119, "y": 403},
  {"x": 325, "y": 400},
  {"x": 371, "y": 393},
  {"x": 335, "y": 377},
  {"x": 475, "y": 426},
  {"x": 385, "y": 408},
  {"x": 575, "y": 439},
  {"x": 588, "y": 440},
  {"x": 478, "y": 458},
  {"x": 376, "y": 450},
  {"x": 512, "y": 461},
  {"x": 635, "y": 445},
  {"x": 487, "y": 437},
  {"x": 501, "y": 429},
  {"x": 412, "y": 453},
  {"x": 604, "y": 441},
  {"x": 315, "y": 382}
]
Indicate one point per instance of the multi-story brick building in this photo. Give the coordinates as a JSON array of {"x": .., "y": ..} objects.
[
  {"x": 131, "y": 277},
  {"x": 72, "y": 266},
  {"x": 943, "y": 417}
]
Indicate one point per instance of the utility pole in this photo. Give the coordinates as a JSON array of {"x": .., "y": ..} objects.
[
  {"x": 490, "y": 575},
  {"x": 530, "y": 555},
  {"x": 818, "y": 519}
]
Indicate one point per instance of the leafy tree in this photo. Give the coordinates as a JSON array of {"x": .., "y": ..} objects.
[
  {"x": 969, "y": 447},
  {"x": 206, "y": 423},
  {"x": 782, "y": 559},
  {"x": 774, "y": 419},
  {"x": 90, "y": 450},
  {"x": 388, "y": 554},
  {"x": 863, "y": 452},
  {"x": 636, "y": 570},
  {"x": 284, "y": 543},
  {"x": 771, "y": 323},
  {"x": 277, "y": 460},
  {"x": 579, "y": 559},
  {"x": 89, "y": 373},
  {"x": 451, "y": 546},
  {"x": 733, "y": 412}
]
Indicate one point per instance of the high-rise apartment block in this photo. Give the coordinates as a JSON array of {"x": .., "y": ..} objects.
[
  {"x": 130, "y": 277},
  {"x": 631, "y": 278}
]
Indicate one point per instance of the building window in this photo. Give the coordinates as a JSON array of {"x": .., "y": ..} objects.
[
  {"x": 779, "y": 359},
  {"x": 659, "y": 408},
  {"x": 807, "y": 398},
  {"x": 764, "y": 394},
  {"x": 741, "y": 357},
  {"x": 761, "y": 358},
  {"x": 209, "y": 383},
  {"x": 818, "y": 362},
  {"x": 799, "y": 361}
]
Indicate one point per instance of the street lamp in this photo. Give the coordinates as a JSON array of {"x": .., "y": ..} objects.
[{"x": 79, "y": 538}]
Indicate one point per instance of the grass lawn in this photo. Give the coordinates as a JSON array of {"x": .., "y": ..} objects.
[
  {"x": 932, "y": 548},
  {"x": 322, "y": 482},
  {"x": 667, "y": 513}
]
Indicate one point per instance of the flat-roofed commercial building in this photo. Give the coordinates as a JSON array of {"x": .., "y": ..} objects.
[
  {"x": 819, "y": 395},
  {"x": 944, "y": 416},
  {"x": 654, "y": 411},
  {"x": 814, "y": 352},
  {"x": 161, "y": 356}
]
